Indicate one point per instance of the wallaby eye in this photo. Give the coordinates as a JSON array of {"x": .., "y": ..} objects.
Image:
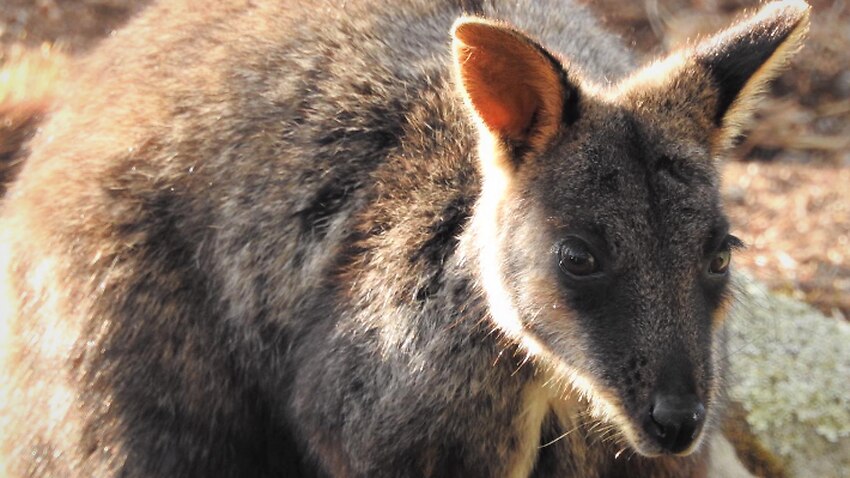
[
  {"x": 575, "y": 259},
  {"x": 720, "y": 262}
]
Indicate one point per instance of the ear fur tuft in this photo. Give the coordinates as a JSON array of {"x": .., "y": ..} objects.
[
  {"x": 716, "y": 84},
  {"x": 743, "y": 59}
]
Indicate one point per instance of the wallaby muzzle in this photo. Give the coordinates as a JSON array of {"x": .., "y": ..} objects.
[{"x": 675, "y": 421}]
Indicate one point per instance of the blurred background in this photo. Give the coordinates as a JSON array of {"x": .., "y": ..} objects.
[{"x": 787, "y": 189}]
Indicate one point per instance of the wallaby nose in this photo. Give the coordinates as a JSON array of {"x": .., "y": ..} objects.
[{"x": 674, "y": 422}]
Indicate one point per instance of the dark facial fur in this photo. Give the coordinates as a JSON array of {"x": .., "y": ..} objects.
[
  {"x": 270, "y": 238},
  {"x": 650, "y": 213},
  {"x": 627, "y": 179}
]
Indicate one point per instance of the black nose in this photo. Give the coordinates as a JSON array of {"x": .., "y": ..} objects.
[{"x": 674, "y": 422}]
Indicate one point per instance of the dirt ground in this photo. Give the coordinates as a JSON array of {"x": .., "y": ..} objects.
[{"x": 787, "y": 188}]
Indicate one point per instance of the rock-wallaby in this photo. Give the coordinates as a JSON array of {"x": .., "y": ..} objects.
[{"x": 423, "y": 238}]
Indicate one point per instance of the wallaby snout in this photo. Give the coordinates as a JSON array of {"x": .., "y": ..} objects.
[{"x": 674, "y": 422}]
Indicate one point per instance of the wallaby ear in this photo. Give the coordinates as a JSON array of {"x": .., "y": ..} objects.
[
  {"x": 516, "y": 89},
  {"x": 717, "y": 82},
  {"x": 744, "y": 58}
]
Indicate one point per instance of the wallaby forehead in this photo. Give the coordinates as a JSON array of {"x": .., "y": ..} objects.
[{"x": 631, "y": 184}]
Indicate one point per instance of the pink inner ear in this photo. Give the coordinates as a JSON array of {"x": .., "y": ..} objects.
[
  {"x": 503, "y": 101},
  {"x": 505, "y": 78},
  {"x": 495, "y": 116}
]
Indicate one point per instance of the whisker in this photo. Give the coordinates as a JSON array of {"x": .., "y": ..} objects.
[
  {"x": 620, "y": 452},
  {"x": 524, "y": 361},
  {"x": 560, "y": 437}
]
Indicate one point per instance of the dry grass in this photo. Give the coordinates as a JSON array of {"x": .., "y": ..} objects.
[
  {"x": 795, "y": 219},
  {"x": 787, "y": 191},
  {"x": 37, "y": 70},
  {"x": 70, "y": 25}
]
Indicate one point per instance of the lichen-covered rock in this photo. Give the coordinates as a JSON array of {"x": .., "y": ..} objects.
[{"x": 791, "y": 371}]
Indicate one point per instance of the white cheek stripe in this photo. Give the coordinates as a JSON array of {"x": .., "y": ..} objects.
[{"x": 495, "y": 184}]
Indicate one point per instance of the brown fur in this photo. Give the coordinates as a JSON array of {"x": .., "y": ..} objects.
[{"x": 267, "y": 238}]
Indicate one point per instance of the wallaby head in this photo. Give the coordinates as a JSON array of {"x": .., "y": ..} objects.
[{"x": 602, "y": 243}]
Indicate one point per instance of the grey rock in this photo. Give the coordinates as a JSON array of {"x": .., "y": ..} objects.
[{"x": 791, "y": 371}]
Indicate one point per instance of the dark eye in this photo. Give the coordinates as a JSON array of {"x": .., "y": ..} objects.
[
  {"x": 720, "y": 262},
  {"x": 575, "y": 259}
]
